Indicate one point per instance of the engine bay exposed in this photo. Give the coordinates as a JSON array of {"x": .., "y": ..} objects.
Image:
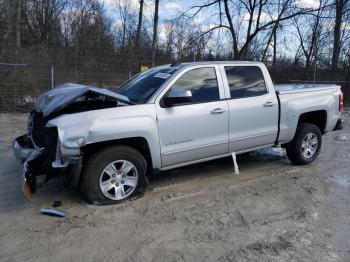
[
  {"x": 88, "y": 102},
  {"x": 75, "y": 98}
]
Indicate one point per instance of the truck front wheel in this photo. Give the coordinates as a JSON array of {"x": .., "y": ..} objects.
[
  {"x": 114, "y": 175},
  {"x": 306, "y": 144}
]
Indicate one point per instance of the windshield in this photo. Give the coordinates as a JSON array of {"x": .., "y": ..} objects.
[{"x": 142, "y": 86}]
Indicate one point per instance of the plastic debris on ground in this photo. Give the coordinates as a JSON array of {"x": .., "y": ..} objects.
[
  {"x": 57, "y": 203},
  {"x": 53, "y": 212},
  {"x": 341, "y": 138}
]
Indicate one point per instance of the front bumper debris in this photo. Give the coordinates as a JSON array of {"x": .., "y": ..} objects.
[
  {"x": 25, "y": 152},
  {"x": 22, "y": 148},
  {"x": 41, "y": 161},
  {"x": 30, "y": 184}
]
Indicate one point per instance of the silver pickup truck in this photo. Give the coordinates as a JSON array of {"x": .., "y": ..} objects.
[{"x": 170, "y": 116}]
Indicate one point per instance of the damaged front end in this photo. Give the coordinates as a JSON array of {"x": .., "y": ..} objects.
[{"x": 39, "y": 151}]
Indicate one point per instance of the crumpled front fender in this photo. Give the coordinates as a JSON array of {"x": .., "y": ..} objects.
[{"x": 80, "y": 129}]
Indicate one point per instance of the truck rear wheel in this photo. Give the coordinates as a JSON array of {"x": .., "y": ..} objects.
[
  {"x": 114, "y": 175},
  {"x": 306, "y": 144}
]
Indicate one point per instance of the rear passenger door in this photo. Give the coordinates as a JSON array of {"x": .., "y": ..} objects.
[{"x": 253, "y": 107}]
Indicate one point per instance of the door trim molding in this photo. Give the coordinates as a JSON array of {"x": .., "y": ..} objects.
[
  {"x": 213, "y": 157},
  {"x": 193, "y": 148},
  {"x": 253, "y": 136},
  {"x": 195, "y": 161}
]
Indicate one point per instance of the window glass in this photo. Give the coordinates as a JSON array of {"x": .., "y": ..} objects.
[
  {"x": 202, "y": 82},
  {"x": 245, "y": 81},
  {"x": 141, "y": 87}
]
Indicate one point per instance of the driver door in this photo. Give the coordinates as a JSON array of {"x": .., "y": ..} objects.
[{"x": 196, "y": 130}]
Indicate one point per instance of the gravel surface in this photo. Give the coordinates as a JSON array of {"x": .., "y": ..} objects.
[{"x": 272, "y": 211}]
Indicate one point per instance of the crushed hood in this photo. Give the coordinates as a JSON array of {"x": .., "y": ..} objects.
[{"x": 61, "y": 96}]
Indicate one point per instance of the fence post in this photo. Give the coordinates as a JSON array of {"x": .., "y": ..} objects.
[
  {"x": 315, "y": 70},
  {"x": 52, "y": 77}
]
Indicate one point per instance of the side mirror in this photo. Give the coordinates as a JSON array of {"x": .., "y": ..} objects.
[{"x": 178, "y": 97}]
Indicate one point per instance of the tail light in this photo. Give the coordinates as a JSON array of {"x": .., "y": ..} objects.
[{"x": 341, "y": 102}]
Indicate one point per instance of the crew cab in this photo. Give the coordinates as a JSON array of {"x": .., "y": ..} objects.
[{"x": 167, "y": 117}]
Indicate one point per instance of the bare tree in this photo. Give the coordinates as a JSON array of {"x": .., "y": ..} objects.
[
  {"x": 155, "y": 31},
  {"x": 126, "y": 15},
  {"x": 89, "y": 45},
  {"x": 18, "y": 23},
  {"x": 139, "y": 26},
  {"x": 10, "y": 19},
  {"x": 308, "y": 39},
  {"x": 170, "y": 35},
  {"x": 232, "y": 29},
  {"x": 41, "y": 16},
  {"x": 273, "y": 36},
  {"x": 339, "y": 14},
  {"x": 255, "y": 10}
]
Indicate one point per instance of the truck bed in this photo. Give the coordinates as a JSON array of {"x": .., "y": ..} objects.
[
  {"x": 303, "y": 87},
  {"x": 297, "y": 99}
]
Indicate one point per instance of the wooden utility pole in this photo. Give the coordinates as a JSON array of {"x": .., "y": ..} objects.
[
  {"x": 139, "y": 24},
  {"x": 339, "y": 12},
  {"x": 138, "y": 33},
  {"x": 155, "y": 32}
]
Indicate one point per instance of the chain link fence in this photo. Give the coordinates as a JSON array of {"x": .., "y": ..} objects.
[
  {"x": 36, "y": 70},
  {"x": 27, "y": 73}
]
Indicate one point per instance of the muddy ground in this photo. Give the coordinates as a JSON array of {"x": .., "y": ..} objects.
[{"x": 272, "y": 211}]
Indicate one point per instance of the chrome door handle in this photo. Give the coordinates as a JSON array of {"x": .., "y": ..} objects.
[
  {"x": 269, "y": 104},
  {"x": 217, "y": 111}
]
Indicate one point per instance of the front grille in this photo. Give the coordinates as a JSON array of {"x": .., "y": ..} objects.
[{"x": 38, "y": 129}]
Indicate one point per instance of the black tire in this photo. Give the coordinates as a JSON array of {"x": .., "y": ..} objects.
[
  {"x": 96, "y": 164},
  {"x": 294, "y": 148}
]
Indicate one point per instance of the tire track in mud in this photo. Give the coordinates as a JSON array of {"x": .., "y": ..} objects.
[{"x": 210, "y": 218}]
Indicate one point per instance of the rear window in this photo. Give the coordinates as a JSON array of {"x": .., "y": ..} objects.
[{"x": 245, "y": 81}]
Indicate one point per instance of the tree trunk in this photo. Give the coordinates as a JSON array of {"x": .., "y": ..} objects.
[
  {"x": 124, "y": 35},
  {"x": 307, "y": 66},
  {"x": 250, "y": 23},
  {"x": 273, "y": 33},
  {"x": 139, "y": 26},
  {"x": 18, "y": 25},
  {"x": 232, "y": 30},
  {"x": 274, "y": 48},
  {"x": 155, "y": 32},
  {"x": 339, "y": 7},
  {"x": 296, "y": 62},
  {"x": 138, "y": 32}
]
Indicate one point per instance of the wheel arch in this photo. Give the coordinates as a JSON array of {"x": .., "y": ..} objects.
[
  {"x": 317, "y": 117},
  {"x": 139, "y": 143}
]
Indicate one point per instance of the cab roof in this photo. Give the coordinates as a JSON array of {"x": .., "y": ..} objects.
[{"x": 235, "y": 62}]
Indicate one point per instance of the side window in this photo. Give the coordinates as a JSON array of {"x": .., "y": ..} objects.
[
  {"x": 245, "y": 81},
  {"x": 202, "y": 82}
]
